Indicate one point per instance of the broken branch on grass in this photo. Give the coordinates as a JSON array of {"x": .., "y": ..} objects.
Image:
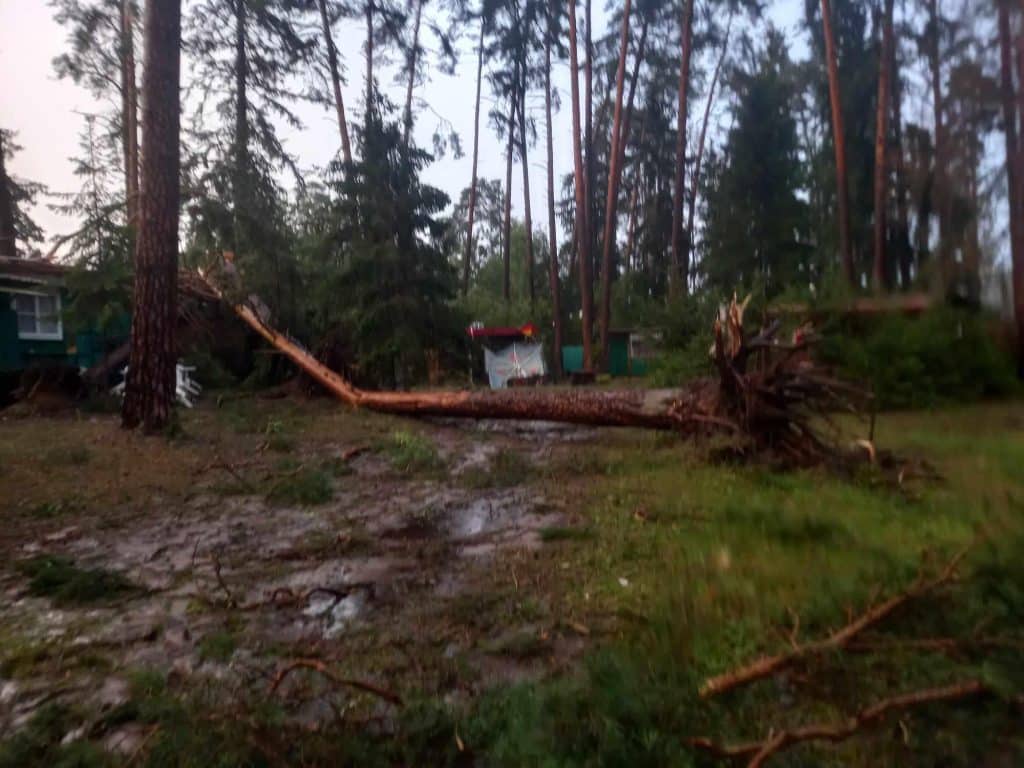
[
  {"x": 316, "y": 665},
  {"x": 760, "y": 751},
  {"x": 769, "y": 665}
]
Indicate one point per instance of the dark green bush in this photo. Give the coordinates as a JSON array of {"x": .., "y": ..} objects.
[{"x": 945, "y": 355}]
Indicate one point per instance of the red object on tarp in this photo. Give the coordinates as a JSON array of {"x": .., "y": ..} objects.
[{"x": 478, "y": 332}]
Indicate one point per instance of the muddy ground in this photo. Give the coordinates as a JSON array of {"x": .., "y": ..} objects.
[{"x": 419, "y": 558}]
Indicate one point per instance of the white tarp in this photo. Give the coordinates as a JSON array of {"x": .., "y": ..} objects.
[{"x": 516, "y": 361}]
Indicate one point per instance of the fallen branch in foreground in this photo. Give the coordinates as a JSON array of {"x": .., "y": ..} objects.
[
  {"x": 769, "y": 665},
  {"x": 760, "y": 751},
  {"x": 769, "y": 395},
  {"x": 318, "y": 666}
]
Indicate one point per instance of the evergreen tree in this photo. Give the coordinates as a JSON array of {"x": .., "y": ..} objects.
[
  {"x": 756, "y": 221},
  {"x": 247, "y": 52},
  {"x": 17, "y": 228},
  {"x": 397, "y": 283},
  {"x": 101, "y": 58}
]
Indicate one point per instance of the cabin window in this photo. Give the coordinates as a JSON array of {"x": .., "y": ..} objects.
[{"x": 38, "y": 316}]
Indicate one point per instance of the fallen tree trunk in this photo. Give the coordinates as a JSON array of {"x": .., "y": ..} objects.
[
  {"x": 624, "y": 408},
  {"x": 781, "y": 406}
]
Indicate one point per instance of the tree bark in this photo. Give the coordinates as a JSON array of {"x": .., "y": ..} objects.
[
  {"x": 939, "y": 185},
  {"x": 241, "y": 138},
  {"x": 612, "y": 196},
  {"x": 149, "y": 389},
  {"x": 556, "y": 301},
  {"x": 654, "y": 409},
  {"x": 468, "y": 256},
  {"x": 582, "y": 238},
  {"x": 879, "y": 271},
  {"x": 627, "y": 118},
  {"x": 413, "y": 56},
  {"x": 369, "y": 60},
  {"x": 631, "y": 228},
  {"x": 332, "y": 65},
  {"x": 678, "y": 277},
  {"x": 527, "y": 213},
  {"x": 588, "y": 143},
  {"x": 690, "y": 214},
  {"x": 129, "y": 113},
  {"x": 1018, "y": 261},
  {"x": 8, "y": 235},
  {"x": 839, "y": 139},
  {"x": 506, "y": 285},
  {"x": 902, "y": 215}
]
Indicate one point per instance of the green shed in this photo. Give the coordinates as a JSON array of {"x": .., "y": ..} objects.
[
  {"x": 626, "y": 352},
  {"x": 31, "y": 325}
]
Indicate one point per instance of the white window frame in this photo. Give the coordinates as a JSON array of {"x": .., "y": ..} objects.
[{"x": 57, "y": 335}]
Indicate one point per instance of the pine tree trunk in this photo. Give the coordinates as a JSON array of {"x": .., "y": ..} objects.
[
  {"x": 413, "y": 56},
  {"x": 612, "y": 197},
  {"x": 8, "y": 235},
  {"x": 149, "y": 389},
  {"x": 939, "y": 184},
  {"x": 839, "y": 140},
  {"x": 369, "y": 60},
  {"x": 582, "y": 239},
  {"x": 506, "y": 285},
  {"x": 678, "y": 275},
  {"x": 241, "y": 148},
  {"x": 902, "y": 215},
  {"x": 468, "y": 256},
  {"x": 527, "y": 214},
  {"x": 556, "y": 301},
  {"x": 690, "y": 214},
  {"x": 588, "y": 145},
  {"x": 129, "y": 113},
  {"x": 627, "y": 119},
  {"x": 332, "y": 65},
  {"x": 879, "y": 270},
  {"x": 1018, "y": 259},
  {"x": 631, "y": 228}
]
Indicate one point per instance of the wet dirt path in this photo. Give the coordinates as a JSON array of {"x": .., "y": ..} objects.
[{"x": 437, "y": 582}]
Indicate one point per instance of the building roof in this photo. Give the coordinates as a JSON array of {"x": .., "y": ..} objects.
[
  {"x": 31, "y": 271},
  {"x": 529, "y": 330}
]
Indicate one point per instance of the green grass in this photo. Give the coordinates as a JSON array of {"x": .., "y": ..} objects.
[
  {"x": 68, "y": 456},
  {"x": 217, "y": 646},
  {"x": 721, "y": 561},
  {"x": 556, "y": 533},
  {"x": 683, "y": 569},
  {"x": 61, "y": 580},
  {"x": 299, "y": 485},
  {"x": 411, "y": 452}
]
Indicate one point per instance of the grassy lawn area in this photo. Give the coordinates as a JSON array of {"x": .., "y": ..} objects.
[{"x": 582, "y": 638}]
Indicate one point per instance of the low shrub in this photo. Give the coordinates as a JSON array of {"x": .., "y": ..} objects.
[{"x": 945, "y": 355}]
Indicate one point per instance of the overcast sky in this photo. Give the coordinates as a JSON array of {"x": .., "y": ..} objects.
[{"x": 46, "y": 112}]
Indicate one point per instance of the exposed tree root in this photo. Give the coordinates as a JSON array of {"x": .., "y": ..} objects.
[
  {"x": 759, "y": 752},
  {"x": 316, "y": 665},
  {"x": 769, "y": 665}
]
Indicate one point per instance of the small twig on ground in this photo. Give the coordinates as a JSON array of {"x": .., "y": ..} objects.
[
  {"x": 232, "y": 603},
  {"x": 350, "y": 453},
  {"x": 231, "y": 469},
  {"x": 137, "y": 753},
  {"x": 759, "y": 752},
  {"x": 769, "y": 665},
  {"x": 316, "y": 665}
]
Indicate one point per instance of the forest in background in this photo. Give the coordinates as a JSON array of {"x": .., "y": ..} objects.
[{"x": 866, "y": 167}]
